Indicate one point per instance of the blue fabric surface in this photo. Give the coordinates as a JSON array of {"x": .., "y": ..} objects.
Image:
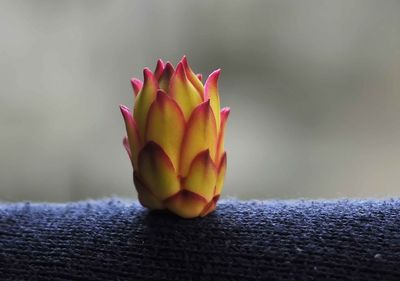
[{"x": 271, "y": 240}]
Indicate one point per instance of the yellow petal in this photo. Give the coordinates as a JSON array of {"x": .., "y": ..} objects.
[
  {"x": 146, "y": 198},
  {"x": 183, "y": 92},
  {"x": 221, "y": 175},
  {"x": 221, "y": 136},
  {"x": 211, "y": 92},
  {"x": 200, "y": 134},
  {"x": 166, "y": 76},
  {"x": 144, "y": 99},
  {"x": 127, "y": 146},
  {"x": 186, "y": 204},
  {"x": 159, "y": 69},
  {"x": 193, "y": 78},
  {"x": 210, "y": 206},
  {"x": 157, "y": 172},
  {"x": 166, "y": 126},
  {"x": 202, "y": 176},
  {"x": 136, "y": 85},
  {"x": 133, "y": 135}
]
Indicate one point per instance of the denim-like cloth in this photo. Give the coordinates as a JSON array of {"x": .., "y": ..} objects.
[{"x": 115, "y": 239}]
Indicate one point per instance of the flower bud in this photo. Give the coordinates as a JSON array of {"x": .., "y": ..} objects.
[{"x": 175, "y": 140}]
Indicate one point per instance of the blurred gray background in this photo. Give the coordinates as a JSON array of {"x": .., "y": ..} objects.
[{"x": 313, "y": 85}]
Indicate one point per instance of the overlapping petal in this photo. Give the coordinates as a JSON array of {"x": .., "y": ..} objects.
[
  {"x": 202, "y": 176},
  {"x": 146, "y": 197},
  {"x": 210, "y": 206},
  {"x": 201, "y": 134},
  {"x": 166, "y": 77},
  {"x": 221, "y": 175},
  {"x": 157, "y": 172},
  {"x": 193, "y": 78},
  {"x": 159, "y": 69},
  {"x": 134, "y": 140},
  {"x": 166, "y": 126},
  {"x": 183, "y": 92},
  {"x": 136, "y": 85},
  {"x": 144, "y": 100},
  {"x": 211, "y": 93},
  {"x": 221, "y": 136},
  {"x": 186, "y": 204}
]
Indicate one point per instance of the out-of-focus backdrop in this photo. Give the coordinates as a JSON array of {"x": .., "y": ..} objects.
[{"x": 314, "y": 88}]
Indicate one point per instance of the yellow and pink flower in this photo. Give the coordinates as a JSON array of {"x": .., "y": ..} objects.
[{"x": 175, "y": 139}]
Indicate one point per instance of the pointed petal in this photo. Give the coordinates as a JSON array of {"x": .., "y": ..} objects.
[
  {"x": 166, "y": 126},
  {"x": 136, "y": 85},
  {"x": 210, "y": 206},
  {"x": 183, "y": 92},
  {"x": 166, "y": 76},
  {"x": 186, "y": 204},
  {"x": 202, "y": 176},
  {"x": 221, "y": 137},
  {"x": 200, "y": 76},
  {"x": 126, "y": 144},
  {"x": 211, "y": 92},
  {"x": 200, "y": 134},
  {"x": 193, "y": 77},
  {"x": 133, "y": 134},
  {"x": 157, "y": 172},
  {"x": 145, "y": 98},
  {"x": 159, "y": 69},
  {"x": 221, "y": 175},
  {"x": 146, "y": 198}
]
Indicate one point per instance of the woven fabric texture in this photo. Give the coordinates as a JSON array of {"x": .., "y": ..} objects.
[{"x": 271, "y": 240}]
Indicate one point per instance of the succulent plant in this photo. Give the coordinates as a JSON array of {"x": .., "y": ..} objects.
[{"x": 175, "y": 139}]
